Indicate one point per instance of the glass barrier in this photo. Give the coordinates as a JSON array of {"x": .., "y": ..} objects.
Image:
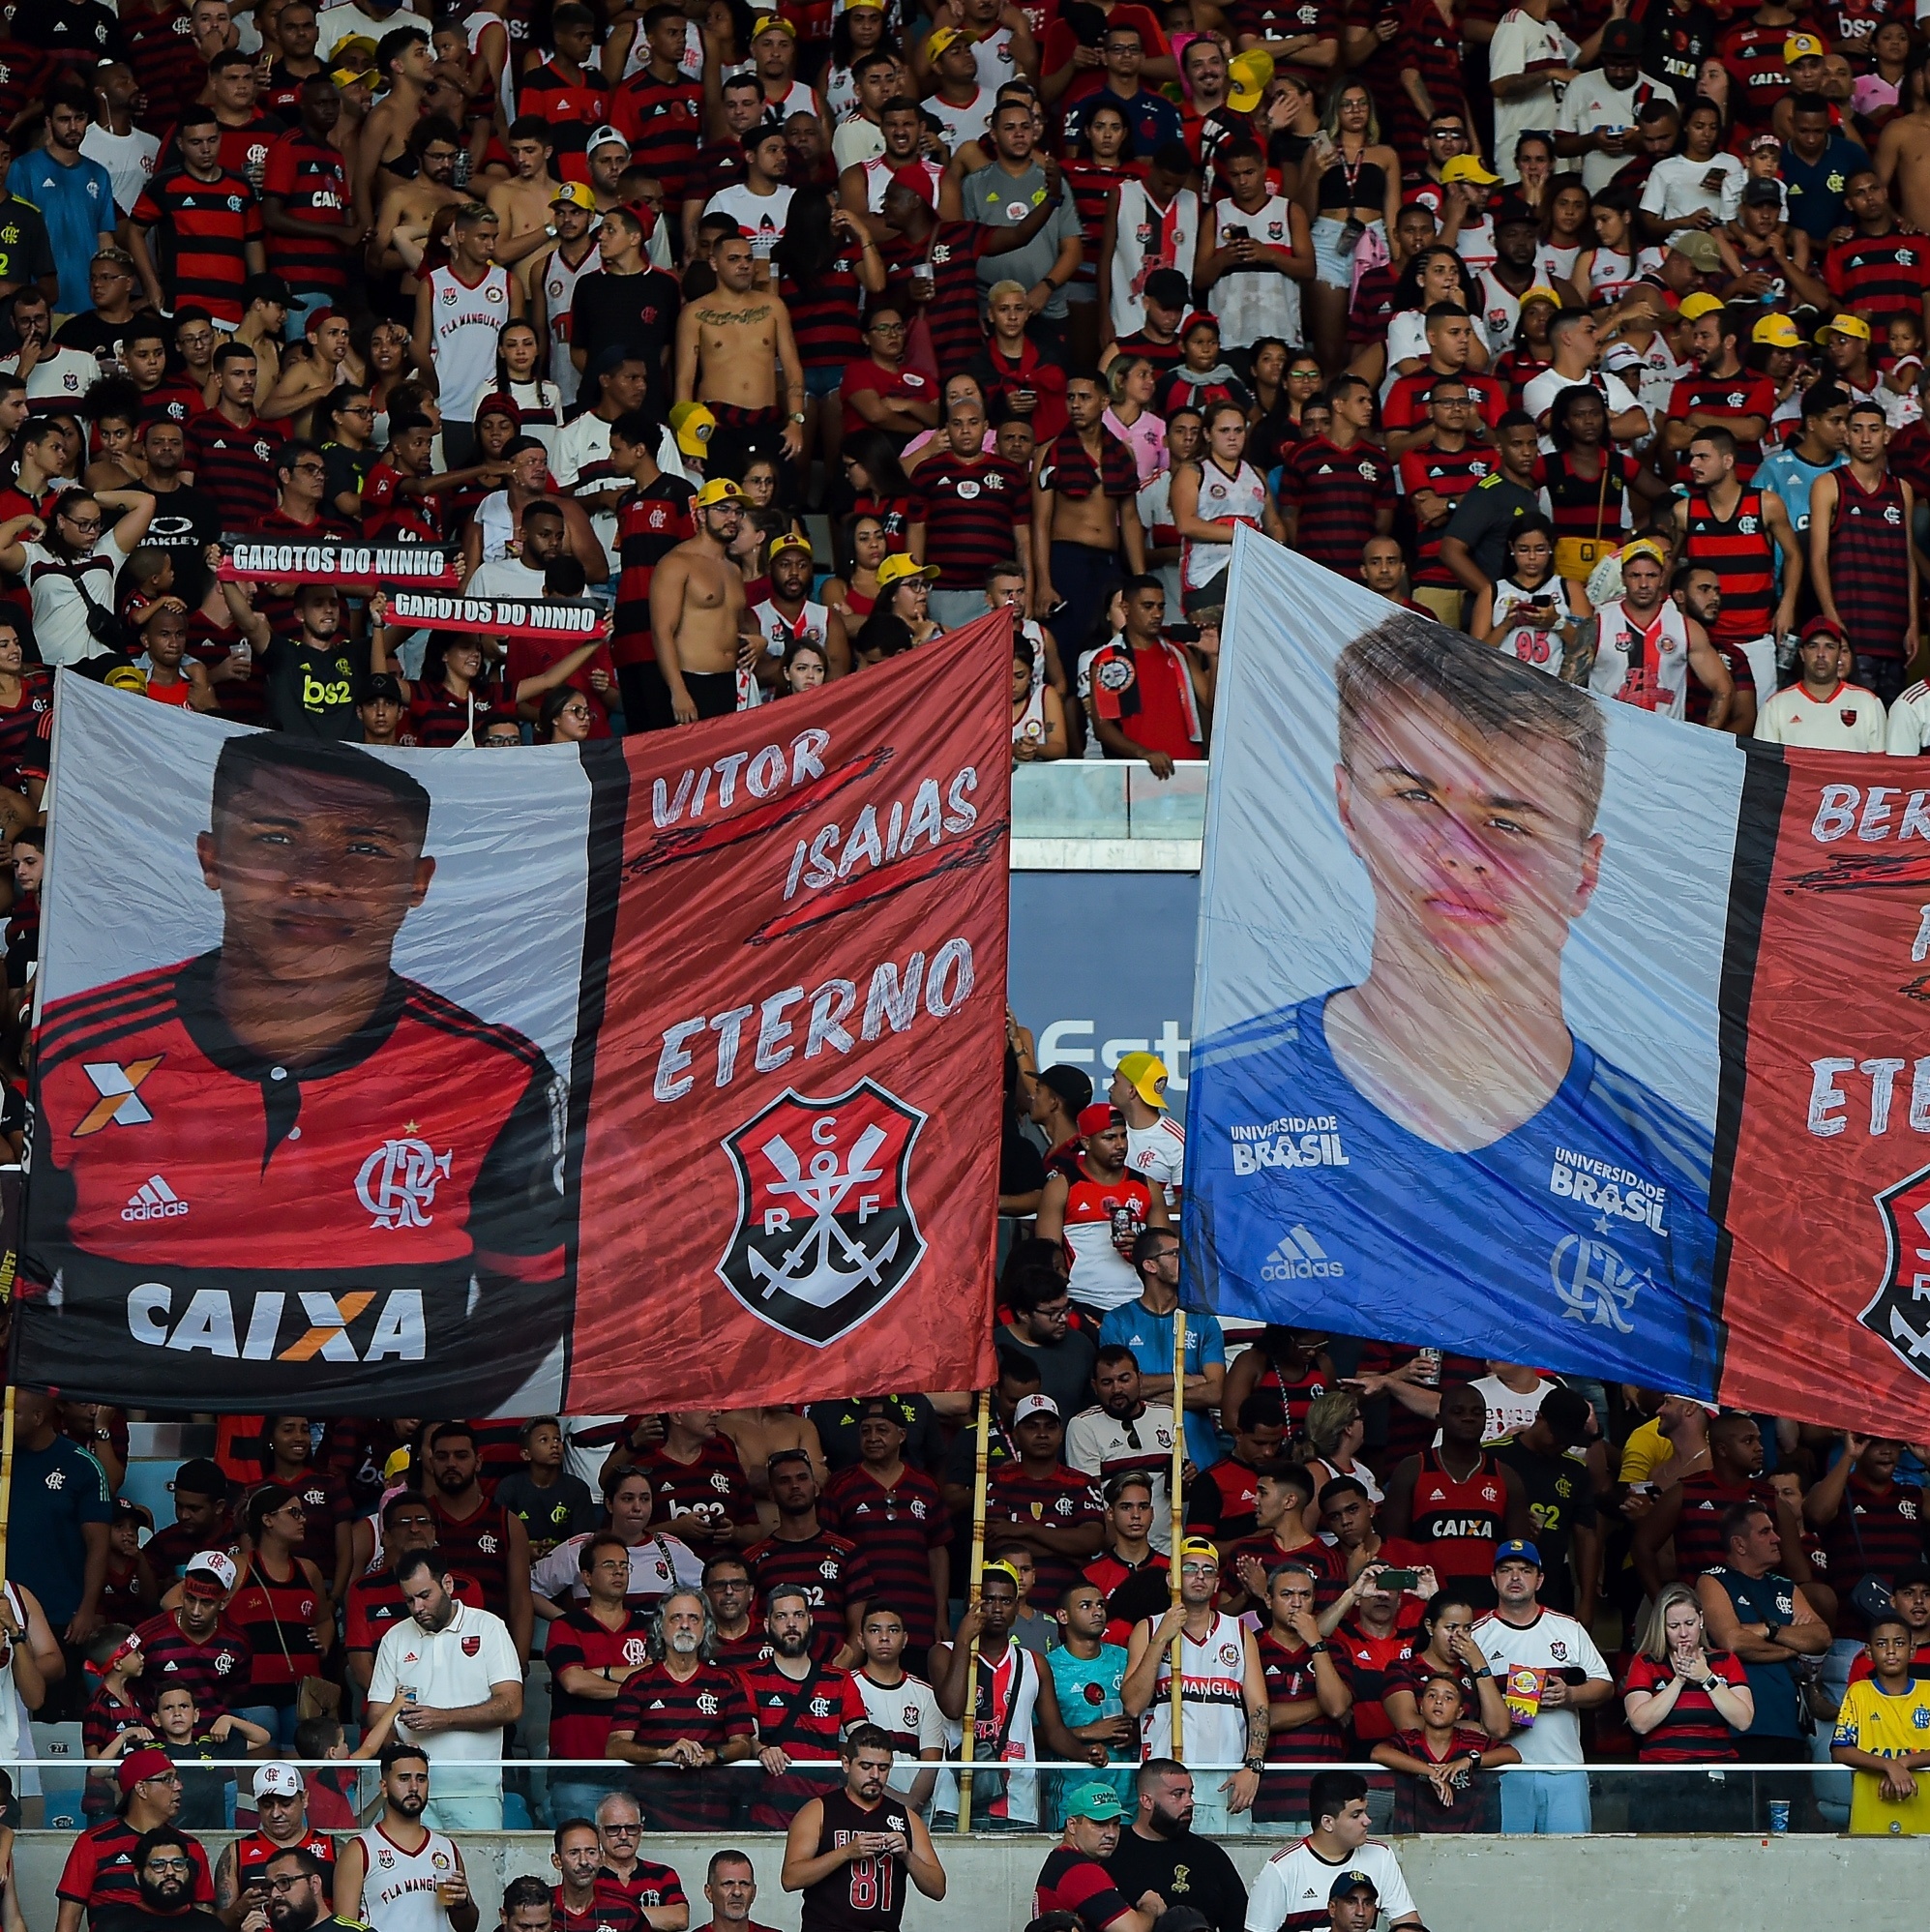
[
  {"x": 1111, "y": 798},
  {"x": 1603, "y": 1800}
]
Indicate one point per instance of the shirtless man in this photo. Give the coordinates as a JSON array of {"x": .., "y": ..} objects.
[
  {"x": 405, "y": 58},
  {"x": 1903, "y": 153},
  {"x": 411, "y": 206},
  {"x": 757, "y": 1435},
  {"x": 305, "y": 379},
  {"x": 521, "y": 203},
  {"x": 1082, "y": 521},
  {"x": 727, "y": 345},
  {"x": 697, "y": 614}
]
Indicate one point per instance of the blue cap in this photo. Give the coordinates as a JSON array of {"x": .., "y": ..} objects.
[{"x": 1516, "y": 1550}]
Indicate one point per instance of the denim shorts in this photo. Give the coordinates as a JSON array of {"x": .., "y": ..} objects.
[
  {"x": 1333, "y": 264},
  {"x": 820, "y": 382}
]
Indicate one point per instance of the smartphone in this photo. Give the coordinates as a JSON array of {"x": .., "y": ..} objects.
[
  {"x": 1397, "y": 1579},
  {"x": 1181, "y": 633}
]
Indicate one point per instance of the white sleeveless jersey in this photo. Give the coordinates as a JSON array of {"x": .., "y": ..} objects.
[
  {"x": 464, "y": 323},
  {"x": 496, "y": 526},
  {"x": 559, "y": 292},
  {"x": 1252, "y": 303},
  {"x": 779, "y": 633},
  {"x": 1667, "y": 664},
  {"x": 1241, "y": 497},
  {"x": 1212, "y": 1677},
  {"x": 398, "y": 1893},
  {"x": 1158, "y": 1153},
  {"x": 994, "y": 55},
  {"x": 1543, "y": 649},
  {"x": 1501, "y": 313},
  {"x": 879, "y": 171},
  {"x": 1029, "y": 728},
  {"x": 1149, "y": 238}
]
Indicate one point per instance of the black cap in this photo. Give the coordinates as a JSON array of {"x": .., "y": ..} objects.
[
  {"x": 1168, "y": 287},
  {"x": 201, "y": 1475},
  {"x": 379, "y": 683},
  {"x": 1620, "y": 40},
  {"x": 126, "y": 1510},
  {"x": 1910, "y": 1575},
  {"x": 267, "y": 288},
  {"x": 878, "y": 1409},
  {"x": 1071, "y": 1085},
  {"x": 1512, "y": 208},
  {"x": 1762, "y": 194}
]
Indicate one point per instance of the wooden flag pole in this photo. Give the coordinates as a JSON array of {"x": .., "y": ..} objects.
[
  {"x": 970, "y": 1726},
  {"x": 6, "y": 1479},
  {"x": 1177, "y": 1485}
]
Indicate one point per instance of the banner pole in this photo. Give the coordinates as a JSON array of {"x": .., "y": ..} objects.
[
  {"x": 1177, "y": 1499},
  {"x": 6, "y": 1479},
  {"x": 969, "y": 1728}
]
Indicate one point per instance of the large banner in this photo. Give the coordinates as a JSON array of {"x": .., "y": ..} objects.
[
  {"x": 1547, "y": 1030},
  {"x": 662, "y": 1072}
]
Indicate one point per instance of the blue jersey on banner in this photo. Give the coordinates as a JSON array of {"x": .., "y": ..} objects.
[{"x": 1593, "y": 1212}]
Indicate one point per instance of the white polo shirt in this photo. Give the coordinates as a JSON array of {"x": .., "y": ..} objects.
[{"x": 461, "y": 1664}]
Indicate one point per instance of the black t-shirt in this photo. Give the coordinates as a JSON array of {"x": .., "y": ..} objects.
[
  {"x": 71, "y": 31},
  {"x": 638, "y": 313},
  {"x": 25, "y": 253},
  {"x": 101, "y": 340},
  {"x": 1483, "y": 519},
  {"x": 184, "y": 522},
  {"x": 311, "y": 693},
  {"x": 1561, "y": 1500},
  {"x": 1186, "y": 1870},
  {"x": 137, "y": 1918}
]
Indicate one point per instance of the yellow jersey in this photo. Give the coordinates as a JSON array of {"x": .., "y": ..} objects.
[{"x": 1887, "y": 1727}]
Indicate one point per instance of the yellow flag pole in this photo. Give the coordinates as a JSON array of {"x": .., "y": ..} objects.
[
  {"x": 970, "y": 1726},
  {"x": 6, "y": 1479},
  {"x": 1175, "y": 1484}
]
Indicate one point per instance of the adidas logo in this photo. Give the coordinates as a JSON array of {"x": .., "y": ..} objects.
[
  {"x": 1299, "y": 1257},
  {"x": 153, "y": 1200}
]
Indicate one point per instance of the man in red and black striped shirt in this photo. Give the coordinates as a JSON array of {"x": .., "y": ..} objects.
[
  {"x": 192, "y": 1643},
  {"x": 1871, "y": 1525},
  {"x": 99, "y": 1874},
  {"x": 653, "y": 517},
  {"x": 305, "y": 200},
  {"x": 829, "y": 1569},
  {"x": 1338, "y": 489},
  {"x": 679, "y": 1717},
  {"x": 659, "y": 110},
  {"x": 1432, "y": 480},
  {"x": 205, "y": 227},
  {"x": 1880, "y": 271},
  {"x": 969, "y": 512},
  {"x": 654, "y": 1892},
  {"x": 897, "y": 1518},
  {"x": 799, "y": 1707},
  {"x": 1404, "y": 411},
  {"x": 587, "y": 1900},
  {"x": 231, "y": 450},
  {"x": 1722, "y": 394},
  {"x": 567, "y": 94}
]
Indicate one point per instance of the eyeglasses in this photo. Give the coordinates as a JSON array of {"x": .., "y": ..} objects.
[
  {"x": 308, "y": 469},
  {"x": 90, "y": 528},
  {"x": 621, "y": 1830},
  {"x": 154, "y": 1864},
  {"x": 358, "y": 409}
]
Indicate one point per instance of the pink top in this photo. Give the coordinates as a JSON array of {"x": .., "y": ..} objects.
[{"x": 1145, "y": 438}]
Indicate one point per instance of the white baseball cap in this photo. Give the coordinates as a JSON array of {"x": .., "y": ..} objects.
[
  {"x": 216, "y": 1563},
  {"x": 1034, "y": 1405},
  {"x": 601, "y": 139},
  {"x": 278, "y": 1781}
]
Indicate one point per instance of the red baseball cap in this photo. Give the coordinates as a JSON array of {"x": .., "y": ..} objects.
[
  {"x": 1099, "y": 1116},
  {"x": 917, "y": 181},
  {"x": 137, "y": 1766}
]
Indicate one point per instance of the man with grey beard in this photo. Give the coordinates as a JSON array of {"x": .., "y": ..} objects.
[{"x": 680, "y": 1716}]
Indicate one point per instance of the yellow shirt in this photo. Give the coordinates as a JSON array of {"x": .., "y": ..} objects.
[
  {"x": 1887, "y": 1727},
  {"x": 1644, "y": 1452}
]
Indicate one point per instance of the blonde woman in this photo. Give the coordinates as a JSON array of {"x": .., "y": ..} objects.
[
  {"x": 1685, "y": 1703},
  {"x": 1352, "y": 185},
  {"x": 1333, "y": 1433}
]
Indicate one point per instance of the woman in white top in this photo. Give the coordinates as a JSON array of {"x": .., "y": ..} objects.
[
  {"x": 1334, "y": 1432},
  {"x": 1564, "y": 229},
  {"x": 856, "y": 32},
  {"x": 1698, "y": 185},
  {"x": 1433, "y": 274},
  {"x": 519, "y": 376},
  {"x": 1212, "y": 498},
  {"x": 1531, "y": 614},
  {"x": 1607, "y": 271},
  {"x": 1038, "y": 718}
]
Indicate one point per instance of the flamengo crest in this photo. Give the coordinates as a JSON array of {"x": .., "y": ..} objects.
[
  {"x": 825, "y": 1232},
  {"x": 1898, "y": 1313}
]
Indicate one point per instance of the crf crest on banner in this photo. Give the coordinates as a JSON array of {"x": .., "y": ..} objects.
[
  {"x": 1901, "y": 1310},
  {"x": 825, "y": 1234}
]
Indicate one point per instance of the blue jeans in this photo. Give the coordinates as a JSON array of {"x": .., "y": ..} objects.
[
  {"x": 278, "y": 1720},
  {"x": 1546, "y": 1803},
  {"x": 577, "y": 1794}
]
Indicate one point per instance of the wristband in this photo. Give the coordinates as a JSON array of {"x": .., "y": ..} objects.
[{"x": 1318, "y": 1649}]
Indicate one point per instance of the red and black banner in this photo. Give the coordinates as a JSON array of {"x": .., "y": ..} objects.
[{"x": 661, "y": 1075}]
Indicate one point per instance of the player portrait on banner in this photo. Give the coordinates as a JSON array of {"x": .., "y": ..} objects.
[
  {"x": 280, "y": 1160},
  {"x": 1436, "y": 1125}
]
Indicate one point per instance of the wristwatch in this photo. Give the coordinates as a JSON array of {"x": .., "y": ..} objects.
[
  {"x": 797, "y": 415},
  {"x": 1318, "y": 1649}
]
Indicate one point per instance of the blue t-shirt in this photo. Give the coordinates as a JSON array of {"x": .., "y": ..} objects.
[
  {"x": 1789, "y": 477},
  {"x": 1590, "y": 1220},
  {"x": 1816, "y": 187},
  {"x": 1088, "y": 1689},
  {"x": 1776, "y": 1688},
  {"x": 1150, "y": 1336},
  {"x": 55, "y": 1491},
  {"x": 78, "y": 205},
  {"x": 1152, "y": 118}
]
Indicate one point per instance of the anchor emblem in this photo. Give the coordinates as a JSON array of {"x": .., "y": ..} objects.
[{"x": 826, "y": 1231}]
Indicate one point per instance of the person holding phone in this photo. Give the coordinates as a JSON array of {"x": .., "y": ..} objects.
[
  {"x": 851, "y": 1851},
  {"x": 1531, "y": 614}
]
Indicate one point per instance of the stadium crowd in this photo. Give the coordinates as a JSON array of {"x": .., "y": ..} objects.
[{"x": 792, "y": 340}]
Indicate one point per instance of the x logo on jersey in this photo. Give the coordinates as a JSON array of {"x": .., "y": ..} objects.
[{"x": 118, "y": 1087}]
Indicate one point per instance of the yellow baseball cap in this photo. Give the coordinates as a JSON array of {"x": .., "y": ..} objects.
[
  {"x": 718, "y": 490},
  {"x": 789, "y": 541},
  {"x": 577, "y": 194},
  {"x": 1247, "y": 76},
  {"x": 691, "y": 423},
  {"x": 1695, "y": 307},
  {"x": 1643, "y": 547},
  {"x": 1146, "y": 1075},
  {"x": 902, "y": 569},
  {"x": 939, "y": 39},
  {"x": 353, "y": 51},
  {"x": 1540, "y": 292},
  {"x": 772, "y": 23},
  {"x": 1801, "y": 47},
  {"x": 1469, "y": 168},
  {"x": 1198, "y": 1546},
  {"x": 1845, "y": 325},
  {"x": 1776, "y": 331},
  {"x": 344, "y": 77}
]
